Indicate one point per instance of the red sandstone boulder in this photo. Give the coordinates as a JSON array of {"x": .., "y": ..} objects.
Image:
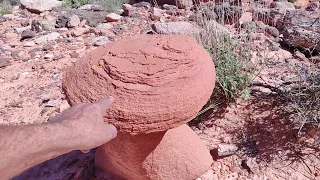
[{"x": 158, "y": 81}]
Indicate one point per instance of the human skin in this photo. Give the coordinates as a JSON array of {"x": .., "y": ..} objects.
[{"x": 78, "y": 128}]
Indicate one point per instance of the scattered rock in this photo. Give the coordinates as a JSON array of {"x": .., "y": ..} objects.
[
  {"x": 127, "y": 10},
  {"x": 57, "y": 57},
  {"x": 50, "y": 103},
  {"x": 19, "y": 30},
  {"x": 48, "y": 56},
  {"x": 104, "y": 27},
  {"x": 39, "y": 6},
  {"x": 301, "y": 56},
  {"x": 92, "y": 7},
  {"x": 49, "y": 37},
  {"x": 64, "y": 105},
  {"x": 73, "y": 21},
  {"x": 74, "y": 54},
  {"x": 11, "y": 36},
  {"x": 36, "y": 26},
  {"x": 225, "y": 149},
  {"x": 9, "y": 16},
  {"x": 4, "y": 62},
  {"x": 209, "y": 175},
  {"x": 92, "y": 18},
  {"x": 272, "y": 31},
  {"x": 181, "y": 27},
  {"x": 113, "y": 17},
  {"x": 26, "y": 34},
  {"x": 47, "y": 25},
  {"x": 48, "y": 47},
  {"x": 282, "y": 5},
  {"x": 62, "y": 21},
  {"x": 2, "y": 19},
  {"x": 220, "y": 30},
  {"x": 100, "y": 41},
  {"x": 275, "y": 46},
  {"x": 17, "y": 53},
  {"x": 79, "y": 31},
  {"x": 25, "y": 23},
  {"x": 156, "y": 14},
  {"x": 169, "y": 7},
  {"x": 29, "y": 44}
]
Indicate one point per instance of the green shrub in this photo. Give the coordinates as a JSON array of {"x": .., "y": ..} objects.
[
  {"x": 292, "y": 1},
  {"x": 232, "y": 55},
  {"x": 234, "y": 69},
  {"x": 232, "y": 80},
  {"x": 5, "y": 7},
  {"x": 5, "y": 11},
  {"x": 110, "y": 5}
]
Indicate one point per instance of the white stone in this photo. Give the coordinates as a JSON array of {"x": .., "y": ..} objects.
[
  {"x": 49, "y": 37},
  {"x": 39, "y": 6},
  {"x": 73, "y": 21},
  {"x": 113, "y": 17}
]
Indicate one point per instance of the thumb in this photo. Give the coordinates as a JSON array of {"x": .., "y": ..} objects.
[
  {"x": 108, "y": 132},
  {"x": 105, "y": 104}
]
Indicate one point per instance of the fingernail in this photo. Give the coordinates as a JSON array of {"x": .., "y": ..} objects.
[
  {"x": 85, "y": 151},
  {"x": 114, "y": 131}
]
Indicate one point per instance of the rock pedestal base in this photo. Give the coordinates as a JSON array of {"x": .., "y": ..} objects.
[{"x": 176, "y": 154}]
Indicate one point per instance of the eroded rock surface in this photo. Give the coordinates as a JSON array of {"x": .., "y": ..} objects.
[
  {"x": 175, "y": 154},
  {"x": 158, "y": 81}
]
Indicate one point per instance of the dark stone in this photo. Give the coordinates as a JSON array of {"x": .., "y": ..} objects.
[
  {"x": 74, "y": 55},
  {"x": 62, "y": 20},
  {"x": 34, "y": 50},
  {"x": 2, "y": 19},
  {"x": 15, "y": 53},
  {"x": 26, "y": 34},
  {"x": 36, "y": 26},
  {"x": 93, "y": 17},
  {"x": 4, "y": 62},
  {"x": 25, "y": 23},
  {"x": 48, "y": 47},
  {"x": 272, "y": 31}
]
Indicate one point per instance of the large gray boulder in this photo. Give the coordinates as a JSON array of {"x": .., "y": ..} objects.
[{"x": 39, "y": 6}]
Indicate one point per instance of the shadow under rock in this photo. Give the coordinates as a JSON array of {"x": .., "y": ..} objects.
[{"x": 73, "y": 165}]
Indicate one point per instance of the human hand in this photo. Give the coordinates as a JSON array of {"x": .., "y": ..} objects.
[{"x": 86, "y": 125}]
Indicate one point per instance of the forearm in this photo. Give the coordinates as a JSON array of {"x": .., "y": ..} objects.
[{"x": 22, "y": 147}]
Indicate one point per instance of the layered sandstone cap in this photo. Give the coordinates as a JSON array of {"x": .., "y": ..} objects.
[{"x": 158, "y": 81}]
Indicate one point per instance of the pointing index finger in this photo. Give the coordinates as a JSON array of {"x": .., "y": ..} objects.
[{"x": 105, "y": 104}]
